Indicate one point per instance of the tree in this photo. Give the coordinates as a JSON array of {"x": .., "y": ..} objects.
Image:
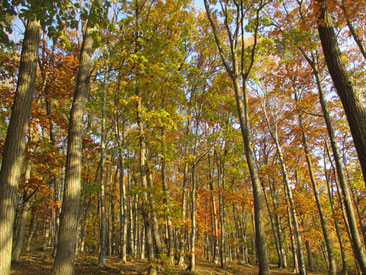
[
  {"x": 14, "y": 146},
  {"x": 272, "y": 126},
  {"x": 349, "y": 93},
  {"x": 239, "y": 68},
  {"x": 66, "y": 248}
]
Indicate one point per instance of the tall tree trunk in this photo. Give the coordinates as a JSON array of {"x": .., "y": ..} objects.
[
  {"x": 350, "y": 94},
  {"x": 142, "y": 241},
  {"x": 33, "y": 229},
  {"x": 214, "y": 216},
  {"x": 132, "y": 222},
  {"x": 207, "y": 235},
  {"x": 274, "y": 231},
  {"x": 182, "y": 243},
  {"x": 350, "y": 220},
  {"x": 336, "y": 225},
  {"x": 84, "y": 216},
  {"x": 124, "y": 211},
  {"x": 83, "y": 223},
  {"x": 295, "y": 255},
  {"x": 257, "y": 191},
  {"x": 55, "y": 214},
  {"x": 155, "y": 222},
  {"x": 192, "y": 264},
  {"x": 356, "y": 240},
  {"x": 310, "y": 256},
  {"x": 300, "y": 254},
  {"x": 56, "y": 221},
  {"x": 103, "y": 221},
  {"x": 14, "y": 146},
  {"x": 143, "y": 175},
  {"x": 111, "y": 212},
  {"x": 237, "y": 233},
  {"x": 277, "y": 219},
  {"x": 170, "y": 241},
  {"x": 65, "y": 257},
  {"x": 239, "y": 78},
  {"x": 356, "y": 202},
  {"x": 221, "y": 184},
  {"x": 123, "y": 218},
  {"x": 136, "y": 232},
  {"x": 331, "y": 259},
  {"x": 46, "y": 238}
]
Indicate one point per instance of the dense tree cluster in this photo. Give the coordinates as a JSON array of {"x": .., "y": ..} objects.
[{"x": 234, "y": 132}]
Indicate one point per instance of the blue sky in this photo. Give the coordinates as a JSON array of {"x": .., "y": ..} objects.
[{"x": 199, "y": 4}]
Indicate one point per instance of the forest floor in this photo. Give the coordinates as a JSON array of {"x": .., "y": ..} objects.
[{"x": 41, "y": 263}]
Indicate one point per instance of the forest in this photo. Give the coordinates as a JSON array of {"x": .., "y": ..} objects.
[{"x": 182, "y": 137}]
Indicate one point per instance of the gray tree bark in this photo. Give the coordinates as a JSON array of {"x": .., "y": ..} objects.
[
  {"x": 65, "y": 256},
  {"x": 14, "y": 146},
  {"x": 23, "y": 217}
]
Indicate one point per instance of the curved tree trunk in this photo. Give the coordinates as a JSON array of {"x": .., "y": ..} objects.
[
  {"x": 14, "y": 146},
  {"x": 235, "y": 68},
  {"x": 352, "y": 30},
  {"x": 349, "y": 93}
]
